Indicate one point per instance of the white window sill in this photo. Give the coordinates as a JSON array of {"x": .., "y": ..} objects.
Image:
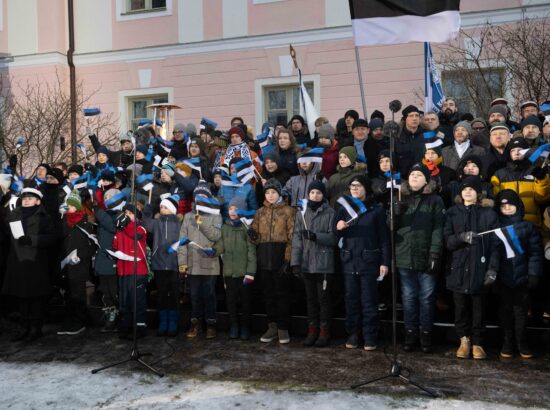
[{"x": 123, "y": 15}]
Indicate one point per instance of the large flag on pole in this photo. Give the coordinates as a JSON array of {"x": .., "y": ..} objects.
[
  {"x": 433, "y": 90},
  {"x": 404, "y": 21}
]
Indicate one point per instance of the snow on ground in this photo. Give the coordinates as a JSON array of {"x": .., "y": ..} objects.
[{"x": 58, "y": 385}]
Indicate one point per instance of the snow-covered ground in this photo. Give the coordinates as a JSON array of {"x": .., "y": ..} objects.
[{"x": 58, "y": 385}]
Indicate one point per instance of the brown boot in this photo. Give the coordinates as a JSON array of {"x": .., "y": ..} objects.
[
  {"x": 195, "y": 329},
  {"x": 210, "y": 329},
  {"x": 463, "y": 351},
  {"x": 479, "y": 352}
]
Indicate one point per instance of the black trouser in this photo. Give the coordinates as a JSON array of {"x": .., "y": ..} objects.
[
  {"x": 126, "y": 299},
  {"x": 237, "y": 292},
  {"x": 470, "y": 316},
  {"x": 168, "y": 289},
  {"x": 276, "y": 287},
  {"x": 319, "y": 304},
  {"x": 76, "y": 301},
  {"x": 32, "y": 311},
  {"x": 513, "y": 312},
  {"x": 108, "y": 285}
]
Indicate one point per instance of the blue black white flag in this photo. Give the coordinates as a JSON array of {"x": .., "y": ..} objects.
[
  {"x": 510, "y": 240},
  {"x": 433, "y": 90},
  {"x": 207, "y": 205},
  {"x": 353, "y": 206},
  {"x": 313, "y": 155}
]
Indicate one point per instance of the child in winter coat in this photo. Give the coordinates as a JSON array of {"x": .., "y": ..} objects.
[
  {"x": 518, "y": 273},
  {"x": 272, "y": 232},
  {"x": 27, "y": 277},
  {"x": 165, "y": 228},
  {"x": 128, "y": 228},
  {"x": 77, "y": 269},
  {"x": 202, "y": 270},
  {"x": 474, "y": 264},
  {"x": 239, "y": 268},
  {"x": 348, "y": 168},
  {"x": 313, "y": 245}
]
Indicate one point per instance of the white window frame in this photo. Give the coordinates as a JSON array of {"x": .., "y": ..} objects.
[
  {"x": 124, "y": 98},
  {"x": 1, "y": 15},
  {"x": 123, "y": 14},
  {"x": 260, "y": 86}
]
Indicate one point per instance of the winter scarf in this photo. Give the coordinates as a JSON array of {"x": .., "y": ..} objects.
[
  {"x": 74, "y": 217},
  {"x": 433, "y": 166},
  {"x": 237, "y": 150}
]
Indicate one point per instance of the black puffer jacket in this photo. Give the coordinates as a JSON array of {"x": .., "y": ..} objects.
[
  {"x": 514, "y": 272},
  {"x": 469, "y": 263}
]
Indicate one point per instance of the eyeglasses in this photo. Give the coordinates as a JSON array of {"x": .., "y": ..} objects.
[
  {"x": 355, "y": 186},
  {"x": 478, "y": 128}
]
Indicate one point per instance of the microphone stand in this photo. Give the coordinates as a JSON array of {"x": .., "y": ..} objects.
[
  {"x": 135, "y": 354},
  {"x": 396, "y": 368}
]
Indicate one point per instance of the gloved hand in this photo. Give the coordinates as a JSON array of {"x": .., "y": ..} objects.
[
  {"x": 490, "y": 277},
  {"x": 309, "y": 235},
  {"x": 285, "y": 268},
  {"x": 252, "y": 234},
  {"x": 533, "y": 282},
  {"x": 296, "y": 270},
  {"x": 122, "y": 220},
  {"x": 24, "y": 240},
  {"x": 400, "y": 207},
  {"x": 208, "y": 252},
  {"x": 433, "y": 263},
  {"x": 248, "y": 279},
  {"x": 539, "y": 172},
  {"x": 467, "y": 237}
]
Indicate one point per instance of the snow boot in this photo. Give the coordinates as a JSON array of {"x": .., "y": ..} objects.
[
  {"x": 478, "y": 352},
  {"x": 464, "y": 349},
  {"x": 426, "y": 341},
  {"x": 411, "y": 340},
  {"x": 324, "y": 337},
  {"x": 163, "y": 322},
  {"x": 211, "y": 329},
  {"x": 110, "y": 320},
  {"x": 312, "y": 335},
  {"x": 173, "y": 319},
  {"x": 234, "y": 331},
  {"x": 195, "y": 328}
]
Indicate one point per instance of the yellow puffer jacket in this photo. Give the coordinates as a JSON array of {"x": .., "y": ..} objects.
[{"x": 533, "y": 192}]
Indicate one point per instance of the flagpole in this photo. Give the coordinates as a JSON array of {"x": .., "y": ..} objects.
[
  {"x": 426, "y": 77},
  {"x": 361, "y": 88}
]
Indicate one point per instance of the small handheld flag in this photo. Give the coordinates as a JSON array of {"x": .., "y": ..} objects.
[
  {"x": 510, "y": 240},
  {"x": 19, "y": 142},
  {"x": 230, "y": 180},
  {"x": 244, "y": 170},
  {"x": 433, "y": 90},
  {"x": 207, "y": 205},
  {"x": 145, "y": 181},
  {"x": 247, "y": 217},
  {"x": 353, "y": 206},
  {"x": 82, "y": 148},
  {"x": 431, "y": 140},
  {"x": 313, "y": 155},
  {"x": 181, "y": 242},
  {"x": 395, "y": 181},
  {"x": 91, "y": 112},
  {"x": 541, "y": 151}
]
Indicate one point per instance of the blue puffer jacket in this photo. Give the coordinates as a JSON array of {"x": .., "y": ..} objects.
[
  {"x": 165, "y": 230},
  {"x": 366, "y": 243},
  {"x": 514, "y": 272},
  {"x": 245, "y": 191}
]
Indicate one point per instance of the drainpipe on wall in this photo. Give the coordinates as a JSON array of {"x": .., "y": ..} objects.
[{"x": 72, "y": 80}]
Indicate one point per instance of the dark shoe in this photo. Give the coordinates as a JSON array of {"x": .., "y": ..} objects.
[
  {"x": 525, "y": 352},
  {"x": 110, "y": 320},
  {"x": 270, "y": 334},
  {"x": 426, "y": 341},
  {"x": 245, "y": 333},
  {"x": 210, "y": 329},
  {"x": 324, "y": 337},
  {"x": 411, "y": 340},
  {"x": 35, "y": 333},
  {"x": 195, "y": 329},
  {"x": 234, "y": 331},
  {"x": 173, "y": 319},
  {"x": 163, "y": 323},
  {"x": 352, "y": 342},
  {"x": 22, "y": 335},
  {"x": 312, "y": 335},
  {"x": 507, "y": 351}
]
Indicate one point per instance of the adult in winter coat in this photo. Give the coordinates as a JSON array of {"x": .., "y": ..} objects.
[
  {"x": 27, "y": 277},
  {"x": 517, "y": 274},
  {"x": 462, "y": 146},
  {"x": 288, "y": 150},
  {"x": 301, "y": 133},
  {"x": 328, "y": 141},
  {"x": 531, "y": 183},
  {"x": 239, "y": 268},
  {"x": 313, "y": 245},
  {"x": 474, "y": 263},
  {"x": 272, "y": 231},
  {"x": 297, "y": 186},
  {"x": 418, "y": 249},
  {"x": 365, "y": 256},
  {"x": 497, "y": 156},
  {"x": 75, "y": 239},
  {"x": 204, "y": 229},
  {"x": 348, "y": 168},
  {"x": 409, "y": 144}
]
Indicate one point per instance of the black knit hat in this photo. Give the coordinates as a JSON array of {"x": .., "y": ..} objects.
[
  {"x": 363, "y": 180},
  {"x": 78, "y": 169},
  {"x": 531, "y": 120},
  {"x": 142, "y": 148},
  {"x": 103, "y": 150},
  {"x": 360, "y": 123},
  {"x": 473, "y": 182},
  {"x": 299, "y": 118},
  {"x": 273, "y": 183},
  {"x": 517, "y": 142},
  {"x": 108, "y": 176},
  {"x": 508, "y": 196},
  {"x": 385, "y": 153},
  {"x": 422, "y": 168},
  {"x": 56, "y": 173},
  {"x": 408, "y": 109},
  {"x": 317, "y": 185},
  {"x": 466, "y": 160}
]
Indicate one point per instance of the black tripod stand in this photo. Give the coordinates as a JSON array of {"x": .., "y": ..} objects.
[
  {"x": 396, "y": 369},
  {"x": 135, "y": 354}
]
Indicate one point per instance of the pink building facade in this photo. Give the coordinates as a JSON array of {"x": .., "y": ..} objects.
[{"x": 219, "y": 58}]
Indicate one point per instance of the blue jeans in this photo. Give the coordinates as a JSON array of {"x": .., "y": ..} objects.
[
  {"x": 418, "y": 296},
  {"x": 203, "y": 296},
  {"x": 362, "y": 305}
]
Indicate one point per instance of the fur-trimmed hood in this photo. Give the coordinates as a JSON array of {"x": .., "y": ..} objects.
[
  {"x": 429, "y": 188},
  {"x": 483, "y": 201}
]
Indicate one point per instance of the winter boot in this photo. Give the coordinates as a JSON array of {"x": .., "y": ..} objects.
[
  {"x": 524, "y": 351},
  {"x": 324, "y": 336},
  {"x": 210, "y": 329},
  {"x": 478, "y": 352},
  {"x": 426, "y": 341},
  {"x": 464, "y": 349},
  {"x": 245, "y": 333},
  {"x": 270, "y": 334},
  {"x": 173, "y": 319},
  {"x": 411, "y": 340},
  {"x": 163, "y": 322},
  {"x": 353, "y": 341},
  {"x": 283, "y": 336},
  {"x": 195, "y": 328},
  {"x": 312, "y": 335},
  {"x": 110, "y": 320},
  {"x": 234, "y": 331},
  {"x": 507, "y": 350}
]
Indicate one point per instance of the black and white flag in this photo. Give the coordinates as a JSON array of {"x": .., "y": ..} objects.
[{"x": 404, "y": 21}]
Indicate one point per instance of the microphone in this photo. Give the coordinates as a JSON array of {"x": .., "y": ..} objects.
[
  {"x": 390, "y": 129},
  {"x": 395, "y": 105}
]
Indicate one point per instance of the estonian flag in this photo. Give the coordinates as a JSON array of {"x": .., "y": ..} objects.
[
  {"x": 182, "y": 242},
  {"x": 313, "y": 155},
  {"x": 247, "y": 217},
  {"x": 302, "y": 204},
  {"x": 510, "y": 240},
  {"x": 145, "y": 181},
  {"x": 541, "y": 151},
  {"x": 353, "y": 206},
  {"x": 230, "y": 180},
  {"x": 396, "y": 180},
  {"x": 431, "y": 140},
  {"x": 79, "y": 182},
  {"x": 404, "y": 21},
  {"x": 207, "y": 205},
  {"x": 433, "y": 90},
  {"x": 244, "y": 170}
]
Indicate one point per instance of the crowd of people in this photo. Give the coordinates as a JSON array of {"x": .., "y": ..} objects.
[{"x": 470, "y": 213}]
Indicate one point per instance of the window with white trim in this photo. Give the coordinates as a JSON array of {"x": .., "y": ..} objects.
[
  {"x": 137, "y": 107},
  {"x": 282, "y": 102},
  {"x": 134, "y": 6}
]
